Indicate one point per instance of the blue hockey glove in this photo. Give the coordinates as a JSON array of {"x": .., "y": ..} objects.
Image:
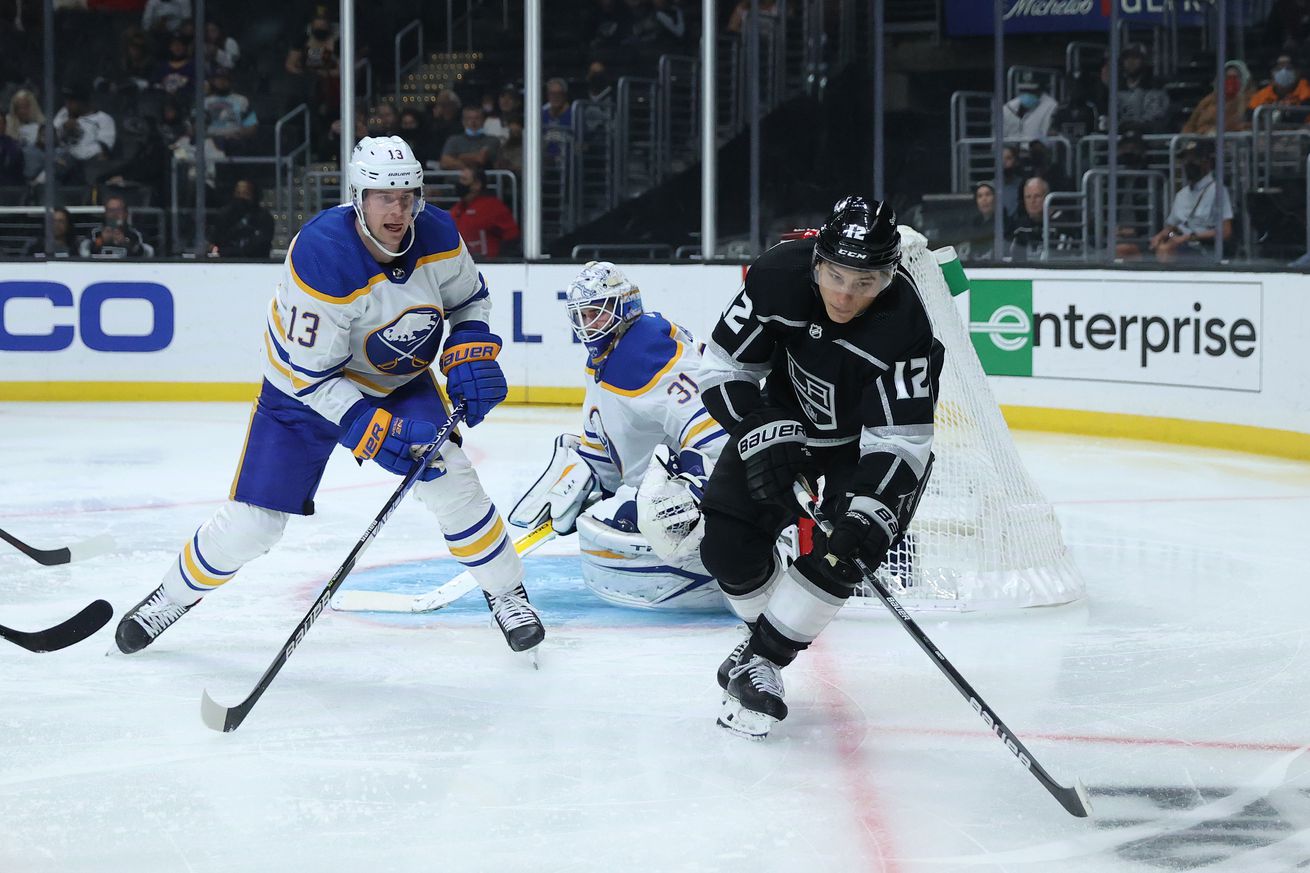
[
  {"x": 472, "y": 374},
  {"x": 375, "y": 434}
]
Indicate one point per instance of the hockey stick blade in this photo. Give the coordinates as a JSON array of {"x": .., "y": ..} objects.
[
  {"x": 92, "y": 618},
  {"x": 229, "y": 718},
  {"x": 1073, "y": 799},
  {"x": 355, "y": 600},
  {"x": 78, "y": 551}
]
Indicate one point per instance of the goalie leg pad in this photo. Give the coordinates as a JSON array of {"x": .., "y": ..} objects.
[
  {"x": 235, "y": 535},
  {"x": 560, "y": 493},
  {"x": 473, "y": 528}
]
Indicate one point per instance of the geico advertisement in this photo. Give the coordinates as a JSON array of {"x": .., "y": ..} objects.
[{"x": 1139, "y": 329}]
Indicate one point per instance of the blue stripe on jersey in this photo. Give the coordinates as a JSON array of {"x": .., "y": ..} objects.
[
  {"x": 645, "y": 349},
  {"x": 313, "y": 374},
  {"x": 305, "y": 392},
  {"x": 682, "y": 434},
  {"x": 466, "y": 532},
  {"x": 705, "y": 441},
  {"x": 480, "y": 294}
]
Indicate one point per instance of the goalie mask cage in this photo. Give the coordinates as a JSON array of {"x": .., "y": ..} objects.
[{"x": 984, "y": 537}]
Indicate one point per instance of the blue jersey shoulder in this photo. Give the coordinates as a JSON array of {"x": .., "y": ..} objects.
[
  {"x": 643, "y": 354},
  {"x": 327, "y": 258},
  {"x": 436, "y": 234}
]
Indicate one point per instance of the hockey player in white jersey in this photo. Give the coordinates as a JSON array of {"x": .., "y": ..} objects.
[
  {"x": 646, "y": 448},
  {"x": 352, "y": 332}
]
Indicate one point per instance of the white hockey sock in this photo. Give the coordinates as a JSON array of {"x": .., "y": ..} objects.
[
  {"x": 236, "y": 534},
  {"x": 799, "y": 609},
  {"x": 748, "y": 607}
]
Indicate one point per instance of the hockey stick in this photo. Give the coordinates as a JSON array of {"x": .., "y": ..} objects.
[
  {"x": 92, "y": 618},
  {"x": 74, "y": 552},
  {"x": 355, "y": 600},
  {"x": 1075, "y": 799},
  {"x": 229, "y": 718}
]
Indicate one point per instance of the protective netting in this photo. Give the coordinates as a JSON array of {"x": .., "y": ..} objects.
[{"x": 984, "y": 537}]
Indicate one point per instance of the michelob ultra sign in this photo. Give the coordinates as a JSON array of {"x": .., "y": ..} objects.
[{"x": 1202, "y": 334}]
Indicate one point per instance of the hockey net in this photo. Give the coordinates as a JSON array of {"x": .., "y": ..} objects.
[{"x": 984, "y": 537}]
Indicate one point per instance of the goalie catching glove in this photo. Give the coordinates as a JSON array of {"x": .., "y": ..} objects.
[
  {"x": 375, "y": 434},
  {"x": 668, "y": 504},
  {"x": 561, "y": 493}
]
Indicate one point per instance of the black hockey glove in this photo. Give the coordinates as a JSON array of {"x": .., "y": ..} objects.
[{"x": 772, "y": 446}]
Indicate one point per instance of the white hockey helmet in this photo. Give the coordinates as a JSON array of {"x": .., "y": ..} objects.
[
  {"x": 601, "y": 302},
  {"x": 382, "y": 163}
]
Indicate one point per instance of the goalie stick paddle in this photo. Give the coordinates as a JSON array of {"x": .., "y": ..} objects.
[
  {"x": 443, "y": 595},
  {"x": 1075, "y": 799},
  {"x": 92, "y": 618},
  {"x": 53, "y": 557},
  {"x": 229, "y": 718}
]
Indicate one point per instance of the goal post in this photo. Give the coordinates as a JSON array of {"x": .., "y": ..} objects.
[{"x": 984, "y": 536}]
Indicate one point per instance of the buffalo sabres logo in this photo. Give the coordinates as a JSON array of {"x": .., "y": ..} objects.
[{"x": 406, "y": 345}]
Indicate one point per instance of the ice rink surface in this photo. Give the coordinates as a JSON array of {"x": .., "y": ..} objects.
[{"x": 1179, "y": 691}]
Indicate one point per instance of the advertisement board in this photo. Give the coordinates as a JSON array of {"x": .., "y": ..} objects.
[{"x": 974, "y": 17}]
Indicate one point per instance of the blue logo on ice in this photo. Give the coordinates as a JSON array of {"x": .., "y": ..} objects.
[
  {"x": 56, "y": 334},
  {"x": 408, "y": 344}
]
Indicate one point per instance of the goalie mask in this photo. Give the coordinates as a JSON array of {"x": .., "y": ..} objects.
[
  {"x": 860, "y": 234},
  {"x": 601, "y": 303},
  {"x": 382, "y": 163}
]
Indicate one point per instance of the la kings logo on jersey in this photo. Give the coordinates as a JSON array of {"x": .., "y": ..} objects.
[{"x": 818, "y": 397}]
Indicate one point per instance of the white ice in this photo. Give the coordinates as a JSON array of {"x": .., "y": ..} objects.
[{"x": 1179, "y": 691}]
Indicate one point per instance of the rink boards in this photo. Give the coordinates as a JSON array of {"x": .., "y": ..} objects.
[{"x": 1206, "y": 358}]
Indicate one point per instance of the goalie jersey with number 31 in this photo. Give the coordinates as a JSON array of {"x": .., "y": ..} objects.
[{"x": 648, "y": 445}]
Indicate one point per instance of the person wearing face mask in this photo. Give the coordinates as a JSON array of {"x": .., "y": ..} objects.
[
  {"x": 1285, "y": 88},
  {"x": 1190, "y": 228},
  {"x": 231, "y": 123},
  {"x": 244, "y": 229},
  {"x": 1028, "y": 116},
  {"x": 1237, "y": 94},
  {"x": 483, "y": 220},
  {"x": 472, "y": 148}
]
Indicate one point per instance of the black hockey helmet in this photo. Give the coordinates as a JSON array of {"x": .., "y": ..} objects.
[{"x": 860, "y": 234}]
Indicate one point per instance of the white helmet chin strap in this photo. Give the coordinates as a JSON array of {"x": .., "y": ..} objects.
[{"x": 363, "y": 224}]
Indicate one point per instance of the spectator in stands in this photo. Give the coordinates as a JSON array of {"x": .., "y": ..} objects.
[
  {"x": 557, "y": 119},
  {"x": 11, "y": 157},
  {"x": 1285, "y": 88},
  {"x": 411, "y": 129},
  {"x": 1237, "y": 96},
  {"x": 177, "y": 73},
  {"x": 229, "y": 120},
  {"x": 25, "y": 117},
  {"x": 164, "y": 16},
  {"x": 383, "y": 120},
  {"x": 1141, "y": 100},
  {"x": 136, "y": 65},
  {"x": 471, "y": 148},
  {"x": 483, "y": 220},
  {"x": 672, "y": 24},
  {"x": 244, "y": 228},
  {"x": 1012, "y": 178},
  {"x": 447, "y": 120},
  {"x": 116, "y": 237},
  {"x": 221, "y": 50},
  {"x": 83, "y": 135},
  {"x": 1132, "y": 234},
  {"x": 1191, "y": 227},
  {"x": 1025, "y": 232},
  {"x": 1028, "y": 116},
  {"x": 320, "y": 51},
  {"x": 609, "y": 25},
  {"x": 1042, "y": 163},
  {"x": 509, "y": 104},
  {"x": 67, "y": 243},
  {"x": 511, "y": 154},
  {"x": 737, "y": 21},
  {"x": 981, "y": 230},
  {"x": 600, "y": 86}
]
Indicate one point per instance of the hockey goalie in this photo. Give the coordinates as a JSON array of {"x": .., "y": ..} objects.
[{"x": 630, "y": 484}]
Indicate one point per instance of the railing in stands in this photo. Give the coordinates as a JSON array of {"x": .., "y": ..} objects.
[
  {"x": 414, "y": 61},
  {"x": 24, "y": 225}
]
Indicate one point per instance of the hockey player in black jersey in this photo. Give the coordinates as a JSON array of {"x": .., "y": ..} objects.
[{"x": 834, "y": 328}]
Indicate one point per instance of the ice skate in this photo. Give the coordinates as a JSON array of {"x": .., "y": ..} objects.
[
  {"x": 729, "y": 662},
  {"x": 753, "y": 703},
  {"x": 147, "y": 620},
  {"x": 517, "y": 620}
]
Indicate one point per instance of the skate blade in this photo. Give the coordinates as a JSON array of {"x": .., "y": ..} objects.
[
  {"x": 531, "y": 655},
  {"x": 744, "y": 723}
]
